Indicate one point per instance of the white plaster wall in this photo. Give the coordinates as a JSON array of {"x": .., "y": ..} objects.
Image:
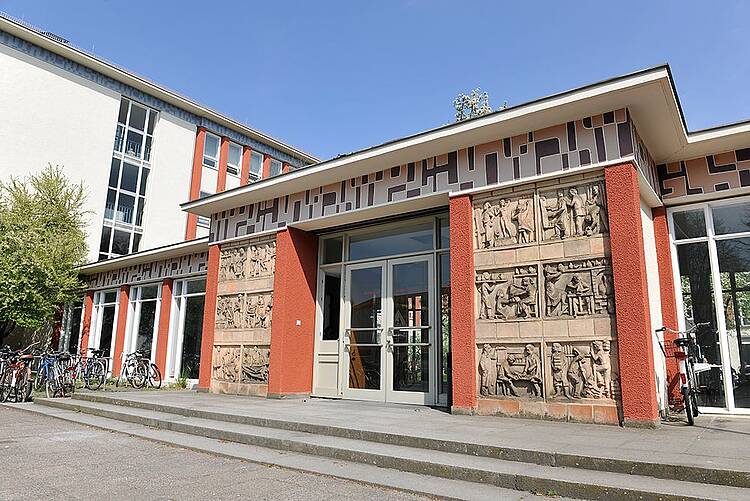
[
  {"x": 48, "y": 115},
  {"x": 654, "y": 295},
  {"x": 169, "y": 182}
]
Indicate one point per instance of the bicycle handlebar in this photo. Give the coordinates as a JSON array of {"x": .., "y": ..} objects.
[{"x": 695, "y": 327}]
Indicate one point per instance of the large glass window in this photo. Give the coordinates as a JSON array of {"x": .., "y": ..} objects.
[
  {"x": 128, "y": 180},
  {"x": 211, "y": 151},
  {"x": 187, "y": 328},
  {"x": 104, "y": 320},
  {"x": 145, "y": 301},
  {"x": 398, "y": 240},
  {"x": 276, "y": 168},
  {"x": 714, "y": 273},
  {"x": 71, "y": 327}
]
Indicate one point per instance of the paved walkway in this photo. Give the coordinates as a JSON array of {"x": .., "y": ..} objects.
[
  {"x": 715, "y": 441},
  {"x": 45, "y": 458}
]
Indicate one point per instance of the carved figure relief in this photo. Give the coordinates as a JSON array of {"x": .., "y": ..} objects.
[
  {"x": 578, "y": 288},
  {"x": 573, "y": 212},
  {"x": 255, "y": 364},
  {"x": 508, "y": 294},
  {"x": 226, "y": 363},
  {"x": 262, "y": 259},
  {"x": 508, "y": 370},
  {"x": 233, "y": 263},
  {"x": 505, "y": 222},
  {"x": 244, "y": 311},
  {"x": 581, "y": 372}
]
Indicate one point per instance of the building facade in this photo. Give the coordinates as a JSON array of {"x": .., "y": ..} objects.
[{"x": 520, "y": 263}]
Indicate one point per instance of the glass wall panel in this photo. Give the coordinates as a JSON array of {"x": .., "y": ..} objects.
[
  {"x": 145, "y": 333},
  {"x": 107, "y": 328},
  {"x": 444, "y": 322},
  {"x": 733, "y": 218},
  {"x": 394, "y": 241},
  {"x": 698, "y": 307},
  {"x": 191, "y": 341},
  {"x": 689, "y": 224},
  {"x": 331, "y": 305}
]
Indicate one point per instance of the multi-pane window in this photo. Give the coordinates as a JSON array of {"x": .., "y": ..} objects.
[
  {"x": 234, "y": 166},
  {"x": 275, "y": 168},
  {"x": 128, "y": 180},
  {"x": 145, "y": 302},
  {"x": 256, "y": 166},
  {"x": 186, "y": 329},
  {"x": 211, "y": 151}
]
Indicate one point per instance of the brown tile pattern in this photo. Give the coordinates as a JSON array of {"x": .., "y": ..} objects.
[{"x": 702, "y": 175}]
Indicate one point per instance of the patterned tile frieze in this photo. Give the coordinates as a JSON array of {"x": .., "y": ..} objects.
[
  {"x": 176, "y": 267},
  {"x": 703, "y": 175},
  {"x": 595, "y": 139},
  {"x": 79, "y": 70}
]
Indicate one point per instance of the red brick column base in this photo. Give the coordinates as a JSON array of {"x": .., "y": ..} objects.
[
  {"x": 463, "y": 338},
  {"x": 209, "y": 318},
  {"x": 634, "y": 338},
  {"x": 293, "y": 314}
]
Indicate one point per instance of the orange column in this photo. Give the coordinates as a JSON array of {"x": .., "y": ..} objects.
[
  {"x": 293, "y": 314},
  {"x": 122, "y": 319},
  {"x": 266, "y": 167},
  {"x": 245, "y": 174},
  {"x": 209, "y": 317},
  {"x": 463, "y": 338},
  {"x": 88, "y": 308},
  {"x": 634, "y": 338},
  {"x": 195, "y": 182},
  {"x": 221, "y": 182},
  {"x": 162, "y": 339},
  {"x": 285, "y": 168},
  {"x": 668, "y": 298}
]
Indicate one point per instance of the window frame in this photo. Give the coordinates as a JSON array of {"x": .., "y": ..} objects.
[{"x": 216, "y": 159}]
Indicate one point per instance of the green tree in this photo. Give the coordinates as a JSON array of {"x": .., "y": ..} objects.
[
  {"x": 474, "y": 104},
  {"x": 42, "y": 241}
]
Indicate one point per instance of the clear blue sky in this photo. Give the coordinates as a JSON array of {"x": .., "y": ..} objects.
[{"x": 333, "y": 77}]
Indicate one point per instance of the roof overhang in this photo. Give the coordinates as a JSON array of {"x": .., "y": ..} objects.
[
  {"x": 77, "y": 55},
  {"x": 148, "y": 256}
]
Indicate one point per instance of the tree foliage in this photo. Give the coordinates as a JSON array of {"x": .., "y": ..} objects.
[
  {"x": 474, "y": 104},
  {"x": 42, "y": 241}
]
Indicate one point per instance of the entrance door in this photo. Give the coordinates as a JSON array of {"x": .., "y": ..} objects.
[{"x": 388, "y": 341}]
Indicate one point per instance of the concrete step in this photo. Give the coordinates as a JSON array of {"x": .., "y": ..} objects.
[
  {"x": 645, "y": 466},
  {"x": 560, "y": 480}
]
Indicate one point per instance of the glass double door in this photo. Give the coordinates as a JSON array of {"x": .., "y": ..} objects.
[{"x": 389, "y": 337}]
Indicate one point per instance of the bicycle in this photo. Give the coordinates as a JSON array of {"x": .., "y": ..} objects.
[
  {"x": 135, "y": 370},
  {"x": 16, "y": 376},
  {"x": 92, "y": 370},
  {"x": 688, "y": 355}
]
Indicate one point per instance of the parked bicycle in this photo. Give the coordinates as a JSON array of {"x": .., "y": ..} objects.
[
  {"x": 16, "y": 376},
  {"x": 690, "y": 359},
  {"x": 91, "y": 370},
  {"x": 52, "y": 375},
  {"x": 138, "y": 371}
]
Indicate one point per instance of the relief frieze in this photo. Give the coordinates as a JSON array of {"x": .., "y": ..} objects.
[
  {"x": 578, "y": 288},
  {"x": 580, "y": 372},
  {"x": 505, "y": 221},
  {"x": 244, "y": 311},
  {"x": 508, "y": 294},
  {"x": 510, "y": 371},
  {"x": 575, "y": 211}
]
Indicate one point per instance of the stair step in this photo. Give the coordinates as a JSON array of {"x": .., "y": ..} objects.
[
  {"x": 562, "y": 480},
  {"x": 669, "y": 469}
]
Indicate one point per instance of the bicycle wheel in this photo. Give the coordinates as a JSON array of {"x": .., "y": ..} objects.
[
  {"x": 24, "y": 386},
  {"x": 95, "y": 375},
  {"x": 5, "y": 388},
  {"x": 154, "y": 376},
  {"x": 138, "y": 376},
  {"x": 40, "y": 380},
  {"x": 687, "y": 396}
]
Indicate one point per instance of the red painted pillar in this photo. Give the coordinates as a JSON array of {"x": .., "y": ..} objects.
[
  {"x": 88, "y": 308},
  {"x": 195, "y": 182},
  {"x": 162, "y": 336},
  {"x": 245, "y": 174},
  {"x": 122, "y": 320},
  {"x": 209, "y": 317},
  {"x": 293, "y": 314},
  {"x": 221, "y": 181},
  {"x": 463, "y": 337},
  {"x": 634, "y": 338},
  {"x": 266, "y": 167},
  {"x": 668, "y": 297},
  {"x": 285, "y": 168}
]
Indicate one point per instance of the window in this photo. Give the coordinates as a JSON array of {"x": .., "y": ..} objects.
[
  {"x": 145, "y": 302},
  {"x": 211, "y": 151},
  {"x": 128, "y": 180},
  {"x": 234, "y": 161},
  {"x": 71, "y": 327},
  {"x": 186, "y": 329},
  {"x": 104, "y": 321},
  {"x": 204, "y": 222},
  {"x": 256, "y": 166},
  {"x": 275, "y": 168}
]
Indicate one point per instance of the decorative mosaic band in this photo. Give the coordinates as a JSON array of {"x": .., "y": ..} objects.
[
  {"x": 709, "y": 174},
  {"x": 176, "y": 267},
  {"x": 588, "y": 141}
]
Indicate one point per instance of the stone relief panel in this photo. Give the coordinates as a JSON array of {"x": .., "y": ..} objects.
[
  {"x": 244, "y": 311},
  {"x": 581, "y": 288},
  {"x": 574, "y": 211},
  {"x": 254, "y": 366},
  {"x": 233, "y": 264},
  {"x": 253, "y": 261},
  {"x": 505, "y": 221},
  {"x": 508, "y": 294},
  {"x": 581, "y": 370},
  {"x": 262, "y": 258},
  {"x": 511, "y": 370},
  {"x": 241, "y": 364}
]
